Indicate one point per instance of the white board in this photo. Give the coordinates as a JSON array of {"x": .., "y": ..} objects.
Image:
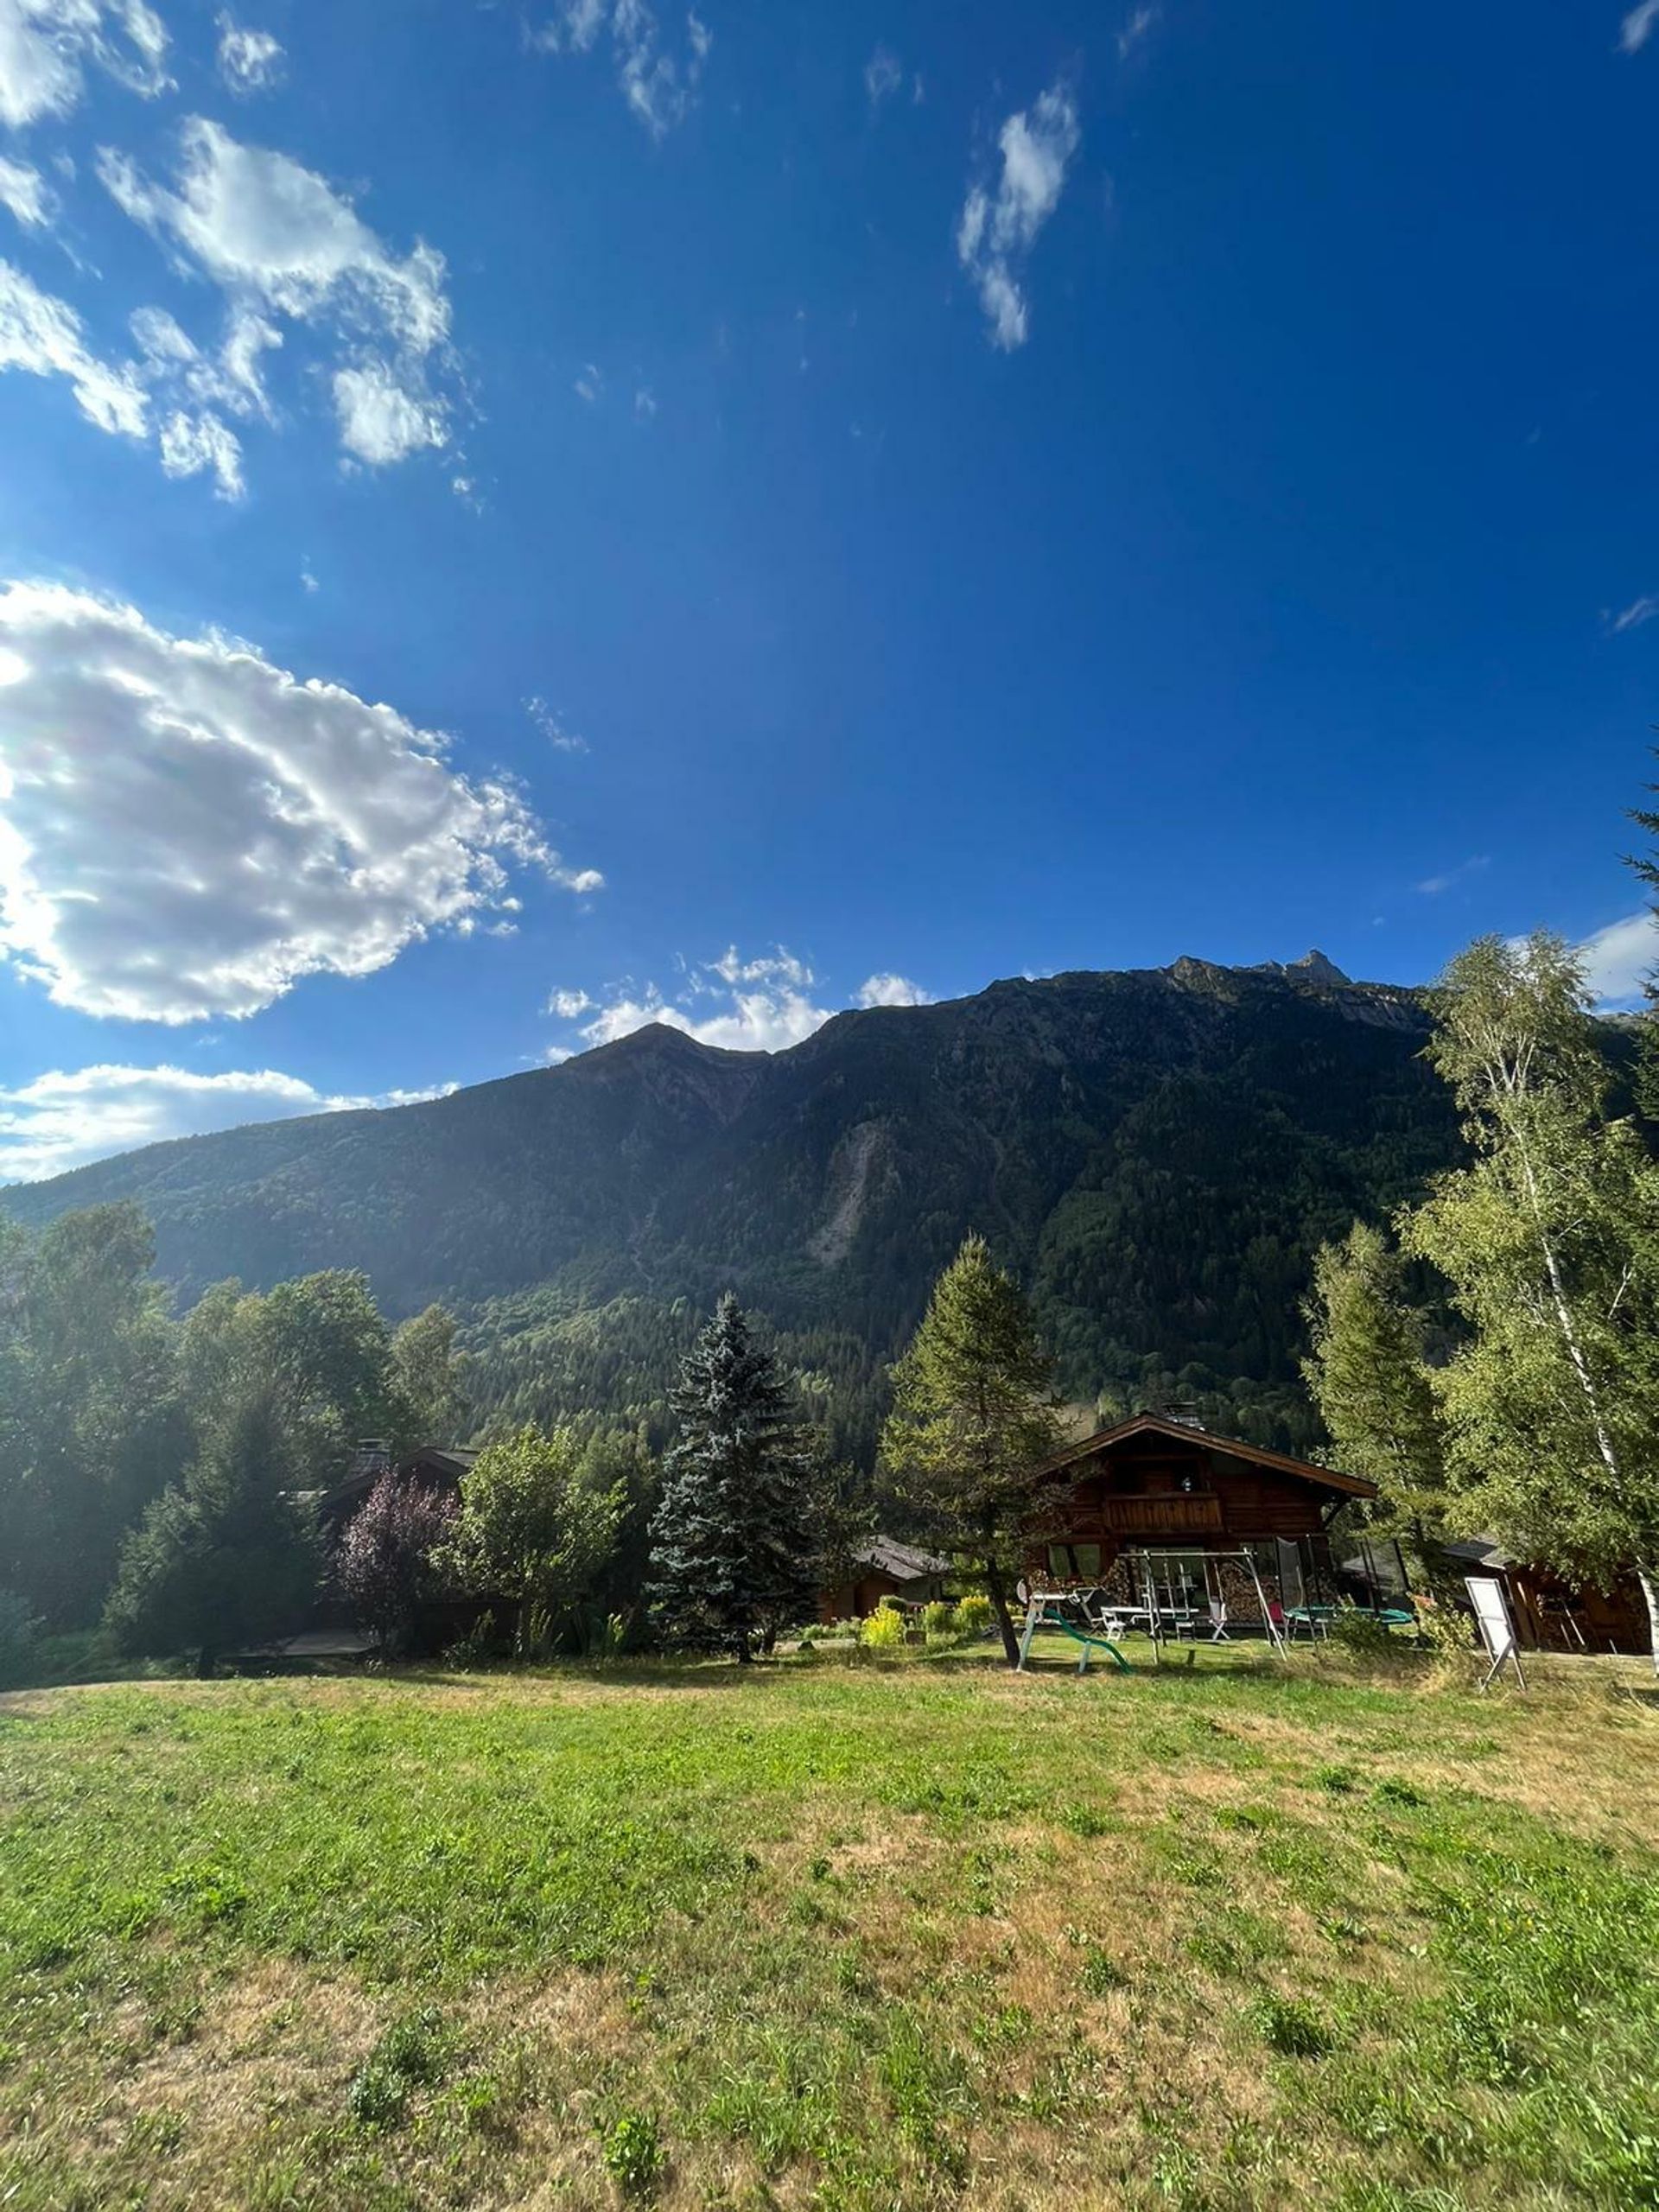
[{"x": 1492, "y": 1619}]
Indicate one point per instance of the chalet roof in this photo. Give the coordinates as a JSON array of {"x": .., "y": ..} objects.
[
  {"x": 448, "y": 1461},
  {"x": 905, "y": 1562},
  {"x": 1183, "y": 1432}
]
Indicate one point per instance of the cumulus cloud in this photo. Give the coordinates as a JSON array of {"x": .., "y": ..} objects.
[
  {"x": 280, "y": 240},
  {"x": 1618, "y": 959},
  {"x": 193, "y": 444},
  {"x": 249, "y": 61},
  {"x": 891, "y": 991},
  {"x": 1637, "y": 27},
  {"x": 43, "y": 337},
  {"x": 60, "y": 1120},
  {"x": 44, "y": 45},
  {"x": 997, "y": 229},
  {"x": 23, "y": 191},
  {"x": 658, "y": 85},
  {"x": 186, "y": 829},
  {"x": 762, "y": 1004}
]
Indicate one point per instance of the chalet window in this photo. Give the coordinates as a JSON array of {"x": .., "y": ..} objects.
[{"x": 1074, "y": 1562}]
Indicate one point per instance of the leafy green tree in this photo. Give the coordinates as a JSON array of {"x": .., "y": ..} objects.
[
  {"x": 973, "y": 1413},
  {"x": 425, "y": 1381},
  {"x": 531, "y": 1529},
  {"x": 227, "y": 1557},
  {"x": 1549, "y": 1241},
  {"x": 90, "y": 1410},
  {"x": 730, "y": 1550},
  {"x": 1371, "y": 1383},
  {"x": 329, "y": 1351}
]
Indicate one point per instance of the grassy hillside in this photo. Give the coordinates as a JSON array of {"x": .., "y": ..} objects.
[{"x": 828, "y": 1938}]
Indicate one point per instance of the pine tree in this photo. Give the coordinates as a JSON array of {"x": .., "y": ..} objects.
[
  {"x": 1371, "y": 1384},
  {"x": 1550, "y": 1243},
  {"x": 973, "y": 1413},
  {"x": 730, "y": 1551},
  {"x": 226, "y": 1557}
]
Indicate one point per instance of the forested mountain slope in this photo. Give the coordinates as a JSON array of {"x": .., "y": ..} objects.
[{"x": 1157, "y": 1152}]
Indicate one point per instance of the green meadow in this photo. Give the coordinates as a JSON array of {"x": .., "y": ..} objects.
[{"x": 820, "y": 1935}]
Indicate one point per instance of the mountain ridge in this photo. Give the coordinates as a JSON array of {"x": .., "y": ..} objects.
[{"x": 1157, "y": 1151}]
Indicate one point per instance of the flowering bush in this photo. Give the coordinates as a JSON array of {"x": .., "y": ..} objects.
[{"x": 384, "y": 1560}]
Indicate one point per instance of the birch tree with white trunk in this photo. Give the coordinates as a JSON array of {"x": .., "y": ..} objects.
[{"x": 1549, "y": 1241}]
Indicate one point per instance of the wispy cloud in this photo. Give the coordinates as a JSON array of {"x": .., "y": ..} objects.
[
  {"x": 25, "y": 191},
  {"x": 659, "y": 84},
  {"x": 249, "y": 61},
  {"x": 883, "y": 74},
  {"x": 552, "y": 728},
  {"x": 1139, "y": 26},
  {"x": 1433, "y": 885},
  {"x": 1639, "y": 610},
  {"x": 997, "y": 228},
  {"x": 590, "y": 383},
  {"x": 64, "y": 1119},
  {"x": 1638, "y": 27}
]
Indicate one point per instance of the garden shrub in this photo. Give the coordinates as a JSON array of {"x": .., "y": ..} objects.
[
  {"x": 1361, "y": 1635},
  {"x": 882, "y": 1631},
  {"x": 973, "y": 1614}
]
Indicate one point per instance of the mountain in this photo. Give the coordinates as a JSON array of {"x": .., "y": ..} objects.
[{"x": 1157, "y": 1152}]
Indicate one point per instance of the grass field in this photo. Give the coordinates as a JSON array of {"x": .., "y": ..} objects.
[{"x": 829, "y": 1936}]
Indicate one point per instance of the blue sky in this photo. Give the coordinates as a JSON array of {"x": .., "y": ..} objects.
[{"x": 515, "y": 519}]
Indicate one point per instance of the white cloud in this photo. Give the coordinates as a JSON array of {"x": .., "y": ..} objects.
[
  {"x": 249, "y": 61},
  {"x": 1432, "y": 885},
  {"x": 891, "y": 991},
  {"x": 1618, "y": 959},
  {"x": 645, "y": 403},
  {"x": 194, "y": 444},
  {"x": 763, "y": 1004},
  {"x": 883, "y": 74},
  {"x": 186, "y": 829},
  {"x": 25, "y": 191},
  {"x": 60, "y": 1120},
  {"x": 1139, "y": 24},
  {"x": 658, "y": 88},
  {"x": 279, "y": 240},
  {"x": 589, "y": 385},
  {"x": 562, "y": 739},
  {"x": 1637, "y": 27},
  {"x": 45, "y": 44},
  {"x": 996, "y": 232},
  {"x": 379, "y": 420},
  {"x": 43, "y": 336},
  {"x": 1639, "y": 610}
]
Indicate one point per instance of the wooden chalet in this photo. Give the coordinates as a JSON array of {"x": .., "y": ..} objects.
[
  {"x": 885, "y": 1568},
  {"x": 1159, "y": 1494}
]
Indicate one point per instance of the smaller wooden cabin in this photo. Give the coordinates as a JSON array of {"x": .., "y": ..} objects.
[
  {"x": 885, "y": 1568},
  {"x": 1154, "y": 1488},
  {"x": 1550, "y": 1613}
]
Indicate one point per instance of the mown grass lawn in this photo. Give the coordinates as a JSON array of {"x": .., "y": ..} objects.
[{"x": 829, "y": 1936}]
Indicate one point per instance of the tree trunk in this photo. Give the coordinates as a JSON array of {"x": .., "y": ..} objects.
[
  {"x": 206, "y": 1661},
  {"x": 1651, "y": 1592},
  {"x": 1000, "y": 1610}
]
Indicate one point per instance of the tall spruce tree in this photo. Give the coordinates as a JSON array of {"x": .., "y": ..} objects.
[
  {"x": 731, "y": 1555},
  {"x": 1369, "y": 1378},
  {"x": 227, "y": 1557},
  {"x": 1549, "y": 1241},
  {"x": 974, "y": 1411}
]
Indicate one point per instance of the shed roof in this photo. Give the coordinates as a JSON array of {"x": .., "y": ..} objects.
[{"x": 1182, "y": 1432}]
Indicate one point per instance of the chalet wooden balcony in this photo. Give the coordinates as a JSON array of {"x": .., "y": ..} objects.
[{"x": 1178, "y": 1515}]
